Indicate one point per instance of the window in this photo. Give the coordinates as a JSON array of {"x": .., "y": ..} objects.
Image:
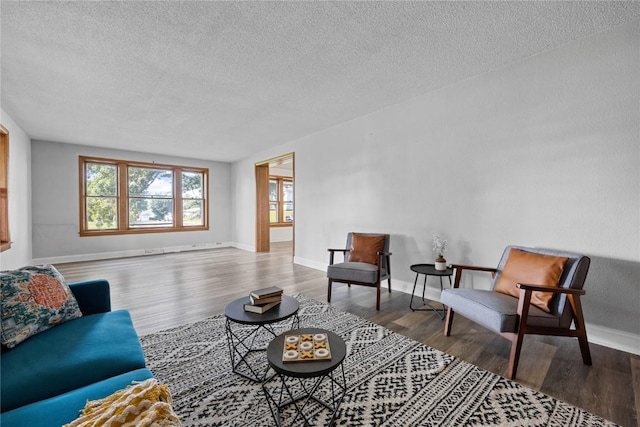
[
  {"x": 120, "y": 197},
  {"x": 280, "y": 200},
  {"x": 5, "y": 239},
  {"x": 150, "y": 197}
]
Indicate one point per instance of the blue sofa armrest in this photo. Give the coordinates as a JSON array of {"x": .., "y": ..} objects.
[{"x": 93, "y": 296}]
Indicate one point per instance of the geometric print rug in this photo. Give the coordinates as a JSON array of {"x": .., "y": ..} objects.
[{"x": 391, "y": 380}]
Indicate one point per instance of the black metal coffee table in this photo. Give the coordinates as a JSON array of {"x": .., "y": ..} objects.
[
  {"x": 310, "y": 386},
  {"x": 250, "y": 332}
]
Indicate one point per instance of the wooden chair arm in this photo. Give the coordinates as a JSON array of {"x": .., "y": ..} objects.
[
  {"x": 475, "y": 268},
  {"x": 332, "y": 253},
  {"x": 538, "y": 288},
  {"x": 380, "y": 255},
  {"x": 525, "y": 298},
  {"x": 459, "y": 268},
  {"x": 573, "y": 296}
]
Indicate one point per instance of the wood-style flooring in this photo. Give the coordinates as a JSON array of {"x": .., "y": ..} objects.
[{"x": 163, "y": 291}]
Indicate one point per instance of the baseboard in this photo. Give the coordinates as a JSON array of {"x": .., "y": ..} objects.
[
  {"x": 431, "y": 292},
  {"x": 322, "y": 266},
  {"x": 612, "y": 338},
  {"x": 130, "y": 253},
  {"x": 244, "y": 247}
]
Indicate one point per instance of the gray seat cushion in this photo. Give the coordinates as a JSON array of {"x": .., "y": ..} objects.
[
  {"x": 354, "y": 272},
  {"x": 496, "y": 311}
]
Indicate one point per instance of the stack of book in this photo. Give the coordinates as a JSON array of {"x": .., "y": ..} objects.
[{"x": 264, "y": 299}]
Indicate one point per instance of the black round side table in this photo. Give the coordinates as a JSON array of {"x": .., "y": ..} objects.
[
  {"x": 302, "y": 383},
  {"x": 246, "y": 329},
  {"x": 429, "y": 270}
]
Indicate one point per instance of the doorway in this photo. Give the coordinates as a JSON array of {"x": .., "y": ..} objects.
[{"x": 275, "y": 203}]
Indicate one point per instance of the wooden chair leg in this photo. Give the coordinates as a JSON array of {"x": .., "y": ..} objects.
[
  {"x": 378, "y": 297},
  {"x": 329, "y": 291},
  {"x": 524, "y": 302},
  {"x": 584, "y": 348},
  {"x": 448, "y": 322},
  {"x": 514, "y": 358},
  {"x": 578, "y": 320},
  {"x": 389, "y": 281}
]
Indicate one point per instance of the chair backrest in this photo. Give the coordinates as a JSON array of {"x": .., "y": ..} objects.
[
  {"x": 573, "y": 276},
  {"x": 387, "y": 240}
]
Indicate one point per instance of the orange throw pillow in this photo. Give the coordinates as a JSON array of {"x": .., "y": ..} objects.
[
  {"x": 365, "y": 248},
  {"x": 531, "y": 269}
]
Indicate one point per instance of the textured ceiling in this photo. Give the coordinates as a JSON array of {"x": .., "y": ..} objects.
[{"x": 221, "y": 80}]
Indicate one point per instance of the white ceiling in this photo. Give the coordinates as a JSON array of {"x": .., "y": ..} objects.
[{"x": 221, "y": 80}]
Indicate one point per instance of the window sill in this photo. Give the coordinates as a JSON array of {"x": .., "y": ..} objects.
[
  {"x": 281, "y": 224},
  {"x": 86, "y": 233}
]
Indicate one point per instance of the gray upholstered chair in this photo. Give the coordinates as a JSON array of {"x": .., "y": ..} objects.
[
  {"x": 375, "y": 269},
  {"x": 513, "y": 317}
]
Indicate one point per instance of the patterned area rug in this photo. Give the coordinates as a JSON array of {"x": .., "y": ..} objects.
[{"x": 392, "y": 380}]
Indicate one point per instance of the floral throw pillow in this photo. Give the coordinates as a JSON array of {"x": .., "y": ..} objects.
[{"x": 34, "y": 299}]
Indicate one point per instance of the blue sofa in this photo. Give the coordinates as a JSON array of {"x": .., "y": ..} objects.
[{"x": 46, "y": 380}]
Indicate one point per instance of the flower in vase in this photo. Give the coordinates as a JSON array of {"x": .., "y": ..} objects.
[{"x": 440, "y": 245}]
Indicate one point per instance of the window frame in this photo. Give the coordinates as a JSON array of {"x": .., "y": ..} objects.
[
  {"x": 5, "y": 231},
  {"x": 122, "y": 198},
  {"x": 281, "y": 180}
]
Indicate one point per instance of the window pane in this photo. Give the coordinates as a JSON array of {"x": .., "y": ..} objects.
[
  {"x": 288, "y": 212},
  {"x": 102, "y": 213},
  {"x": 192, "y": 213},
  {"x": 150, "y": 212},
  {"x": 273, "y": 212},
  {"x": 192, "y": 187},
  {"x": 287, "y": 192},
  {"x": 150, "y": 197},
  {"x": 273, "y": 190},
  {"x": 150, "y": 182},
  {"x": 101, "y": 180}
]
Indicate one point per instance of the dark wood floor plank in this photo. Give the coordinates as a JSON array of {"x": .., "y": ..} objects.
[
  {"x": 635, "y": 379},
  {"x": 170, "y": 290}
]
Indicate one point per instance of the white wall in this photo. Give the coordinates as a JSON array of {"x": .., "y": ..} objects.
[
  {"x": 56, "y": 207},
  {"x": 19, "y": 196},
  {"x": 544, "y": 152},
  {"x": 281, "y": 234}
]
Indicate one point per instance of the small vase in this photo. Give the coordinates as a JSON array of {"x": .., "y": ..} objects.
[{"x": 441, "y": 263}]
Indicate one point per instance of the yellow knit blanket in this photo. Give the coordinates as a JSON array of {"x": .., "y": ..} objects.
[{"x": 142, "y": 404}]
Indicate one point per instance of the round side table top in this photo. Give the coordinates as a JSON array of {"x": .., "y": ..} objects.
[
  {"x": 235, "y": 311},
  {"x": 430, "y": 269},
  {"x": 306, "y": 369}
]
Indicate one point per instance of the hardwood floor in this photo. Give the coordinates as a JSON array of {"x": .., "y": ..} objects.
[{"x": 164, "y": 291}]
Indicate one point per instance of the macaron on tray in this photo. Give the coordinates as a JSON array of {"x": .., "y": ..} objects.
[{"x": 306, "y": 348}]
